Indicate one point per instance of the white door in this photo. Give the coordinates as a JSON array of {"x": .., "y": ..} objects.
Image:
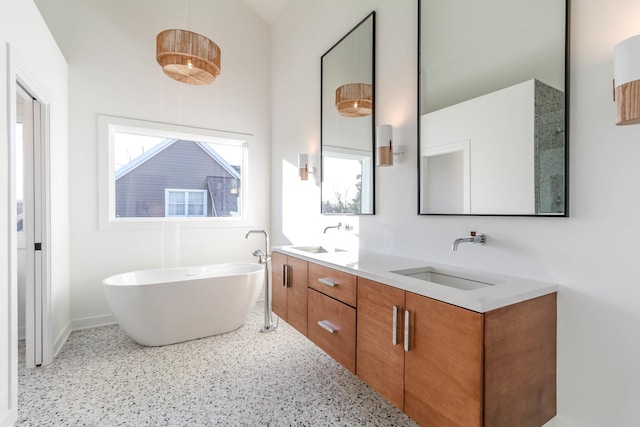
[{"x": 30, "y": 119}]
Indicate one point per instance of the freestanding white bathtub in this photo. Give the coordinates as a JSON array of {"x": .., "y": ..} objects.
[{"x": 170, "y": 305}]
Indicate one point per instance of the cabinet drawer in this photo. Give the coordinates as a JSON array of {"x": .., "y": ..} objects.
[
  {"x": 332, "y": 327},
  {"x": 339, "y": 285}
]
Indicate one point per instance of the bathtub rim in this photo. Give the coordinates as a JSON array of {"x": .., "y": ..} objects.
[{"x": 252, "y": 268}]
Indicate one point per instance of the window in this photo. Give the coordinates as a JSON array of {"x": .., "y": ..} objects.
[
  {"x": 157, "y": 172},
  {"x": 185, "y": 202}
]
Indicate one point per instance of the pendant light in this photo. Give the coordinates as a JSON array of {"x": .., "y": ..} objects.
[{"x": 188, "y": 57}]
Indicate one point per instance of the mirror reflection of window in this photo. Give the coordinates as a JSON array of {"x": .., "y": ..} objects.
[{"x": 346, "y": 188}]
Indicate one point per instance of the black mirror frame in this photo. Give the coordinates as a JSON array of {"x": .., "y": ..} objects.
[
  {"x": 567, "y": 90},
  {"x": 371, "y": 16}
]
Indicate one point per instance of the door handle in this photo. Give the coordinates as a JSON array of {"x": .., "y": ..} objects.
[
  {"x": 394, "y": 336},
  {"x": 285, "y": 275},
  {"x": 407, "y": 314}
]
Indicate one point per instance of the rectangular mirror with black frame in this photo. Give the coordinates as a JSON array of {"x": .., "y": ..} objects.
[
  {"x": 492, "y": 128},
  {"x": 347, "y": 123}
]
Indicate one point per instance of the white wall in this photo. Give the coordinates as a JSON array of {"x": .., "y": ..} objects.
[
  {"x": 110, "y": 47},
  {"x": 592, "y": 255},
  {"x": 34, "y": 53}
]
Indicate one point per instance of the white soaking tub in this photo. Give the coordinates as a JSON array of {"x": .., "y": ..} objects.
[{"x": 171, "y": 305}]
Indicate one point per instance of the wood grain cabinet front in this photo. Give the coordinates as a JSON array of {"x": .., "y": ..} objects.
[
  {"x": 335, "y": 283},
  {"x": 289, "y": 290},
  {"x": 380, "y": 356},
  {"x": 448, "y": 366},
  {"x": 332, "y": 327}
]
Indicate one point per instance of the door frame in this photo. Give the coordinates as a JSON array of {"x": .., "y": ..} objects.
[
  {"x": 19, "y": 76},
  {"x": 33, "y": 132}
]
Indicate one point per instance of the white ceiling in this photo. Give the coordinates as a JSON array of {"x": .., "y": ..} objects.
[{"x": 267, "y": 9}]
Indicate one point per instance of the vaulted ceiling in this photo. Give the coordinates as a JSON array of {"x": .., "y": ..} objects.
[{"x": 267, "y": 9}]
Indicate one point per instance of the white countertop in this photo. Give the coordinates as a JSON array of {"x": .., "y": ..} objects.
[{"x": 505, "y": 290}]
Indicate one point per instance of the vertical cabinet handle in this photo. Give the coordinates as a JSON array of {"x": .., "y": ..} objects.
[
  {"x": 406, "y": 330},
  {"x": 285, "y": 275},
  {"x": 394, "y": 338}
]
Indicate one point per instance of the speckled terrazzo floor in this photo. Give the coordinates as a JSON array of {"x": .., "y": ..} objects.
[{"x": 243, "y": 378}]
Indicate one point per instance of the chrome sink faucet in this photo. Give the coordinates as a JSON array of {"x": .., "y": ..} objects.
[
  {"x": 338, "y": 227},
  {"x": 475, "y": 239}
]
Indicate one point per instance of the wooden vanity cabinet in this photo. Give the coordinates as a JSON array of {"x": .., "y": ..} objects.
[
  {"x": 334, "y": 283},
  {"x": 332, "y": 327},
  {"x": 380, "y": 359},
  {"x": 332, "y": 313},
  {"x": 461, "y": 368},
  {"x": 443, "y": 365},
  {"x": 289, "y": 290}
]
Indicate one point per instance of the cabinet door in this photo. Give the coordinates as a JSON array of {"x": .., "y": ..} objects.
[
  {"x": 278, "y": 286},
  {"x": 443, "y": 367},
  {"x": 380, "y": 361},
  {"x": 332, "y": 327},
  {"x": 297, "y": 294}
]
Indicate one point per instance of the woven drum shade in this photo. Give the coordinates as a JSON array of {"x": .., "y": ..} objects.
[
  {"x": 354, "y": 100},
  {"x": 188, "y": 57}
]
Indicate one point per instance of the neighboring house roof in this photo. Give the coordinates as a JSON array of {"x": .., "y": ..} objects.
[{"x": 135, "y": 163}]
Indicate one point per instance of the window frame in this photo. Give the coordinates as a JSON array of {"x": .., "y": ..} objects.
[{"x": 110, "y": 125}]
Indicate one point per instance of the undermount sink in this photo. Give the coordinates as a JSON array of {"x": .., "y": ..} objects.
[
  {"x": 446, "y": 278},
  {"x": 317, "y": 249}
]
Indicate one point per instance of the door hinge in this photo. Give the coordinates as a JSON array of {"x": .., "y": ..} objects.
[{"x": 38, "y": 246}]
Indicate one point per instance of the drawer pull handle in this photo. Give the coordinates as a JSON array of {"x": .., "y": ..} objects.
[
  {"x": 406, "y": 330},
  {"x": 327, "y": 282},
  {"x": 327, "y": 326},
  {"x": 395, "y": 325}
]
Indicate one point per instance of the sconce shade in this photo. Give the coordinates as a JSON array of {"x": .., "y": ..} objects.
[
  {"x": 354, "y": 99},
  {"x": 384, "y": 137},
  {"x": 188, "y": 57},
  {"x": 303, "y": 167},
  {"x": 626, "y": 81}
]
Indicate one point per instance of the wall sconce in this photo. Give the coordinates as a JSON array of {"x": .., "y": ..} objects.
[
  {"x": 303, "y": 167},
  {"x": 384, "y": 142},
  {"x": 626, "y": 81}
]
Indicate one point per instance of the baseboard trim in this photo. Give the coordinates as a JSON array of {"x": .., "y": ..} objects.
[
  {"x": 8, "y": 418},
  {"x": 79, "y": 324},
  {"x": 92, "y": 322},
  {"x": 58, "y": 343}
]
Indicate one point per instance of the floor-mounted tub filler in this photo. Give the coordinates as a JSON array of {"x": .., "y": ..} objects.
[{"x": 171, "y": 305}]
